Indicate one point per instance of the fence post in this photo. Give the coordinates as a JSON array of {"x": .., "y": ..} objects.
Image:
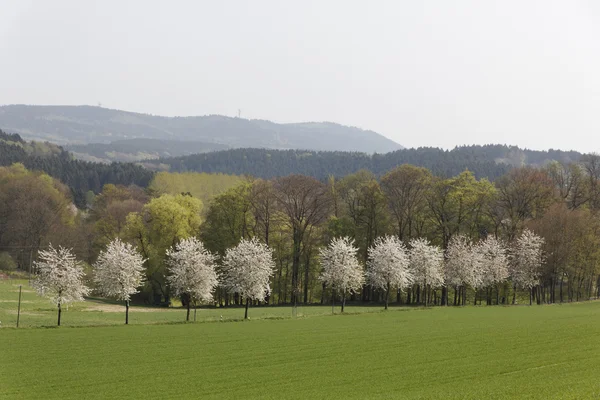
[{"x": 19, "y": 306}]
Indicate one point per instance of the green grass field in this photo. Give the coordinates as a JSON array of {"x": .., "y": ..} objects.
[{"x": 546, "y": 352}]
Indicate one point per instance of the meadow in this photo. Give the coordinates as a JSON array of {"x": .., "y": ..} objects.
[{"x": 522, "y": 352}]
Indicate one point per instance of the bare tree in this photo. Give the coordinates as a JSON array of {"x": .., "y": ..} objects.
[
  {"x": 406, "y": 187},
  {"x": 306, "y": 203}
]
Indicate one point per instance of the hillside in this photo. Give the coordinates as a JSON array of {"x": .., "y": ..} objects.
[
  {"x": 131, "y": 150},
  {"x": 87, "y": 124},
  {"x": 80, "y": 176},
  {"x": 491, "y": 161}
]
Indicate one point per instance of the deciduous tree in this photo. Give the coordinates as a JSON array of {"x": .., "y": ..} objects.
[
  {"x": 341, "y": 268},
  {"x": 527, "y": 260},
  {"x": 427, "y": 265},
  {"x": 306, "y": 203},
  {"x": 388, "y": 265},
  {"x": 247, "y": 269},
  {"x": 494, "y": 266},
  {"x": 60, "y": 277},
  {"x": 119, "y": 272},
  {"x": 463, "y": 266},
  {"x": 192, "y": 272}
]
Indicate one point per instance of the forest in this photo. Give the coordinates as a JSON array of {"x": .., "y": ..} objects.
[
  {"x": 81, "y": 177},
  {"x": 490, "y": 161},
  {"x": 297, "y": 217}
]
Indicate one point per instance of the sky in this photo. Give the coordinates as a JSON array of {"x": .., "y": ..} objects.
[{"x": 423, "y": 73}]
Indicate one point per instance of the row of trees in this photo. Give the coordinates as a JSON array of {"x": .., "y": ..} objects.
[
  {"x": 491, "y": 161},
  {"x": 119, "y": 272},
  {"x": 246, "y": 269},
  {"x": 297, "y": 215}
]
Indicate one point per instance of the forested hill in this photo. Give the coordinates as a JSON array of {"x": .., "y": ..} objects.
[
  {"x": 132, "y": 150},
  {"x": 86, "y": 124},
  {"x": 491, "y": 161},
  {"x": 79, "y": 176}
]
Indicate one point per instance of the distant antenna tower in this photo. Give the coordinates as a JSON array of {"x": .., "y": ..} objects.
[{"x": 239, "y": 113}]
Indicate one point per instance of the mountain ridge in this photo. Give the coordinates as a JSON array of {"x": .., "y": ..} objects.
[{"x": 76, "y": 125}]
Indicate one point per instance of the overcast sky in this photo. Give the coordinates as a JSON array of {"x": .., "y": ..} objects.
[{"x": 423, "y": 73}]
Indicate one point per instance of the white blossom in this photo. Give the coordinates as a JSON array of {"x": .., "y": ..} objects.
[
  {"x": 60, "y": 277},
  {"x": 464, "y": 263},
  {"x": 119, "y": 270},
  {"x": 341, "y": 268},
  {"x": 494, "y": 261},
  {"x": 527, "y": 259},
  {"x": 247, "y": 269},
  {"x": 388, "y": 264},
  {"x": 426, "y": 263},
  {"x": 192, "y": 270}
]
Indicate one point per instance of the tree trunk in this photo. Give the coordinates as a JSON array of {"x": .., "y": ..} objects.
[
  {"x": 560, "y": 290},
  {"x": 187, "y": 317},
  {"x": 343, "y": 300},
  {"x": 126, "y": 312},
  {"x": 306, "y": 276},
  {"x": 59, "y": 311},
  {"x": 444, "y": 296},
  {"x": 530, "y": 296},
  {"x": 246, "y": 312},
  {"x": 455, "y": 296},
  {"x": 297, "y": 249},
  {"x": 387, "y": 296},
  {"x": 514, "y": 300},
  {"x": 194, "y": 311},
  {"x": 497, "y": 294},
  {"x": 332, "y": 301}
]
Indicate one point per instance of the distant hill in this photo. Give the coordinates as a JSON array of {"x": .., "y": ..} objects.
[
  {"x": 491, "y": 161},
  {"x": 131, "y": 150},
  {"x": 87, "y": 124},
  {"x": 80, "y": 176}
]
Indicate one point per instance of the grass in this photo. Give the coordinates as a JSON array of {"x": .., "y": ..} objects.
[
  {"x": 523, "y": 352},
  {"x": 39, "y": 312}
]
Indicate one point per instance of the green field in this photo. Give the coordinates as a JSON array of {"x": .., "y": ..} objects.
[{"x": 459, "y": 353}]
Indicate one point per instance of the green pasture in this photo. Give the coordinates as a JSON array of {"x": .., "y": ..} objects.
[
  {"x": 39, "y": 312},
  {"x": 520, "y": 352}
]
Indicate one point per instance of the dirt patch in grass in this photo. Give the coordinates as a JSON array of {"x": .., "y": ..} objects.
[
  {"x": 25, "y": 313},
  {"x": 15, "y": 301},
  {"x": 116, "y": 308}
]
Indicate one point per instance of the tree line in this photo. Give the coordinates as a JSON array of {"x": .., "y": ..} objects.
[
  {"x": 490, "y": 161},
  {"x": 245, "y": 271},
  {"x": 298, "y": 216}
]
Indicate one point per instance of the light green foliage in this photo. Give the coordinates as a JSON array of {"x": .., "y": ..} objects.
[
  {"x": 110, "y": 210},
  {"x": 229, "y": 219},
  {"x": 161, "y": 224},
  {"x": 363, "y": 210},
  {"x": 458, "y": 205},
  {"x": 201, "y": 185}
]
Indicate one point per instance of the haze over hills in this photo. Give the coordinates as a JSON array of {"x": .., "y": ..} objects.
[
  {"x": 131, "y": 150},
  {"x": 77, "y": 125}
]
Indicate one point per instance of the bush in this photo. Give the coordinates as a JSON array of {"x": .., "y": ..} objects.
[{"x": 7, "y": 263}]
